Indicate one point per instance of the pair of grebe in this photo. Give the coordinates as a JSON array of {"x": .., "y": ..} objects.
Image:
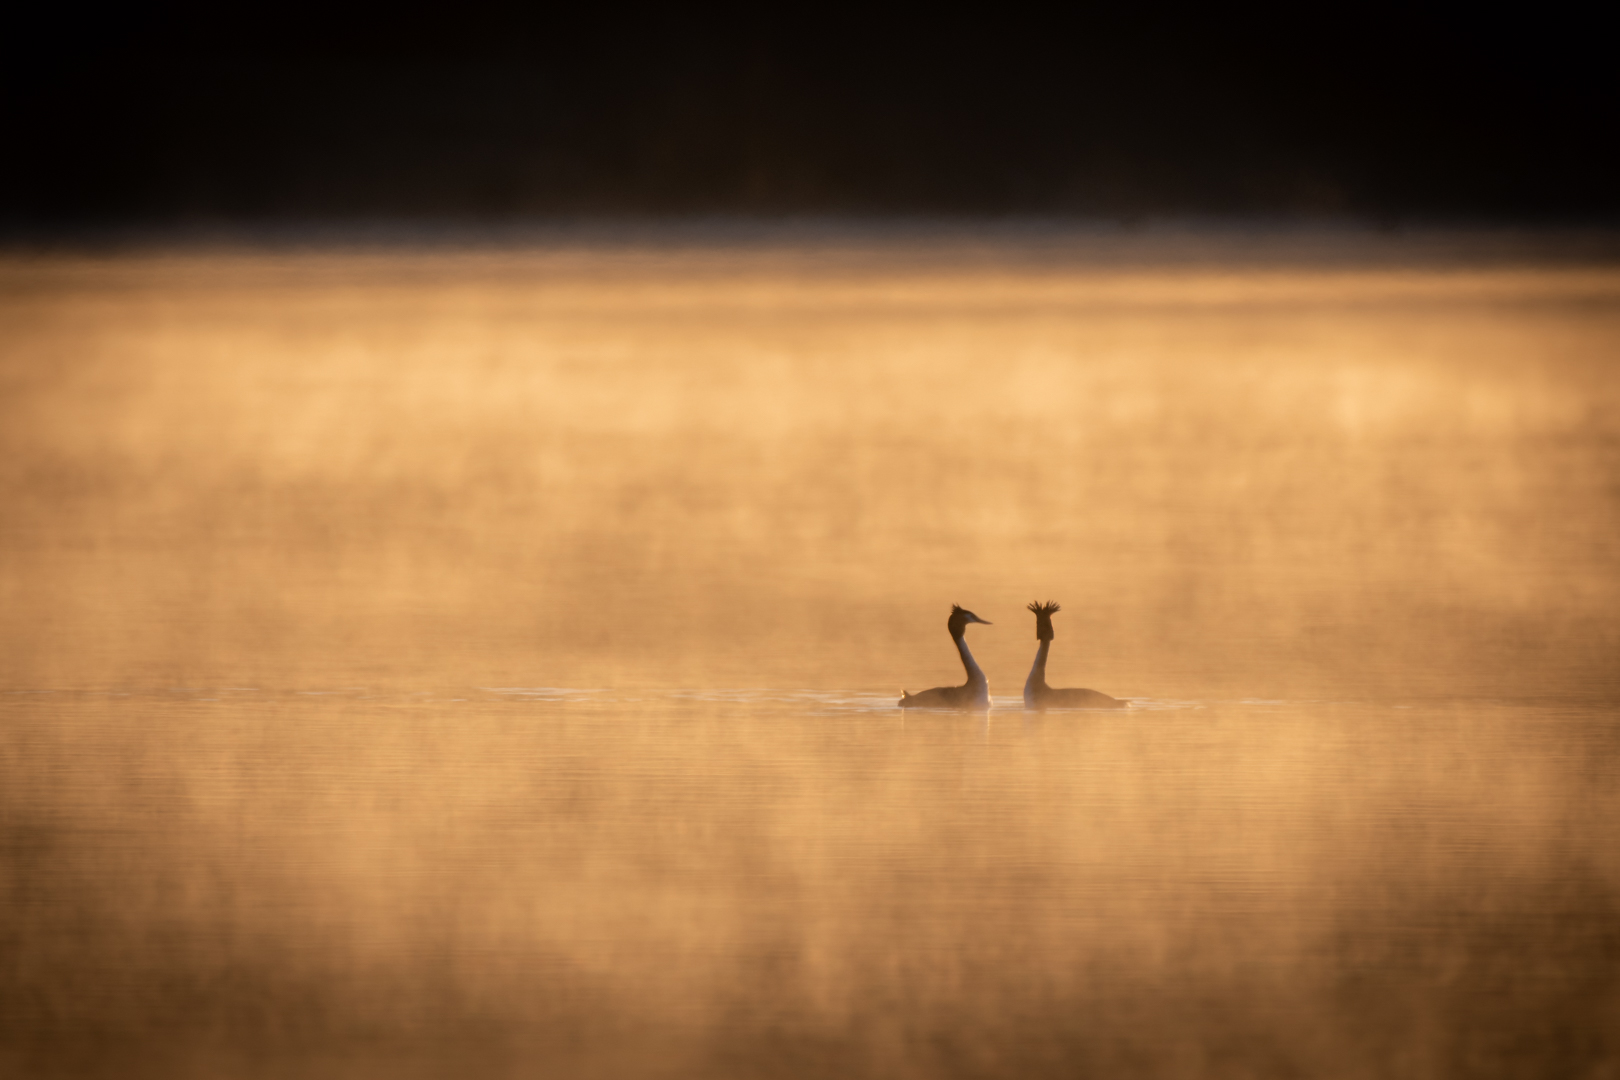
[{"x": 975, "y": 693}]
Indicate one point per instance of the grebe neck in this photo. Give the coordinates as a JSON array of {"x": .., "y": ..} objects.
[
  {"x": 1037, "y": 673},
  {"x": 974, "y": 672}
]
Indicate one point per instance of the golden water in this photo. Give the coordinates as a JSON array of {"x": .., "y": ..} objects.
[{"x": 425, "y": 662}]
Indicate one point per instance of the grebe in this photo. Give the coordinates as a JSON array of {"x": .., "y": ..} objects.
[
  {"x": 1037, "y": 695},
  {"x": 973, "y": 694}
]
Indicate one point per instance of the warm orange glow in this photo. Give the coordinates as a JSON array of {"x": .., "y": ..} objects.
[{"x": 279, "y": 529}]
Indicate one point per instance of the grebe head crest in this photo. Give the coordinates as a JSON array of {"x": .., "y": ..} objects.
[
  {"x": 960, "y": 617},
  {"x": 1043, "y": 620}
]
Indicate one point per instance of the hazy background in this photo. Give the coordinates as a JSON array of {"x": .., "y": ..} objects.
[{"x": 1318, "y": 464}]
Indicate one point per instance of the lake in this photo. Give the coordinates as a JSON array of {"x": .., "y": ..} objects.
[{"x": 427, "y": 658}]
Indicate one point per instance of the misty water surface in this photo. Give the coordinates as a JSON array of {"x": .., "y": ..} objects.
[{"x": 452, "y": 662}]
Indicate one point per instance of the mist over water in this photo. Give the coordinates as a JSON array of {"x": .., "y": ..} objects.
[{"x": 425, "y": 661}]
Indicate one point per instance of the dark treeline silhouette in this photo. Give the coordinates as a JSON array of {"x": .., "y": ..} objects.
[{"x": 170, "y": 113}]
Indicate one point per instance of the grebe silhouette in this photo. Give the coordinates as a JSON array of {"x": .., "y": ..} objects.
[
  {"x": 973, "y": 694},
  {"x": 1037, "y": 695}
]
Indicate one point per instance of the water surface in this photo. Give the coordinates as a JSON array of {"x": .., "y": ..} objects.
[{"x": 234, "y": 882}]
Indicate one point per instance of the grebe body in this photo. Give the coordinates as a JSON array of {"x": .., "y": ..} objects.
[
  {"x": 1037, "y": 695},
  {"x": 973, "y": 694}
]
